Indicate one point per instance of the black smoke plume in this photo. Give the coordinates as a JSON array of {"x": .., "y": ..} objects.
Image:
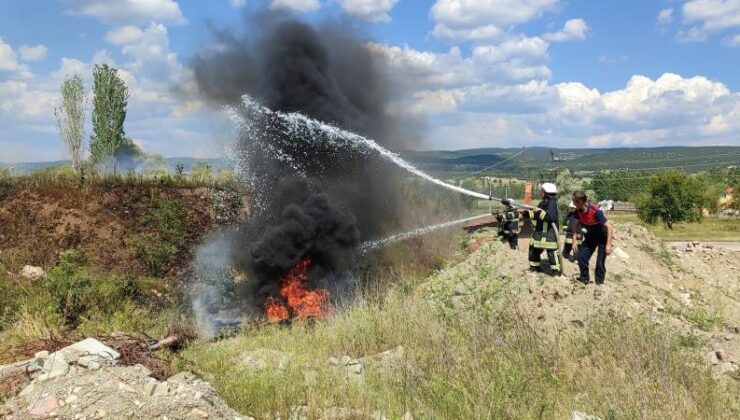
[{"x": 325, "y": 72}]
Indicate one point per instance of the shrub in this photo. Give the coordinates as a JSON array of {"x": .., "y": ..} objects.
[{"x": 164, "y": 237}]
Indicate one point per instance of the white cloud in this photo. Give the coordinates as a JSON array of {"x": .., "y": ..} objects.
[
  {"x": 33, "y": 53},
  {"x": 9, "y": 62},
  {"x": 296, "y": 5},
  {"x": 714, "y": 15},
  {"x": 370, "y": 10},
  {"x": 238, "y": 3},
  {"x": 124, "y": 35},
  {"x": 127, "y": 11},
  {"x": 732, "y": 41},
  {"x": 574, "y": 29},
  {"x": 665, "y": 16},
  {"x": 476, "y": 19}
]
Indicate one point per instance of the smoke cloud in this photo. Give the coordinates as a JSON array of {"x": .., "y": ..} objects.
[{"x": 314, "y": 199}]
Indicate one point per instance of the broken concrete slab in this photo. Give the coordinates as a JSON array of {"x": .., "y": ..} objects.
[{"x": 92, "y": 347}]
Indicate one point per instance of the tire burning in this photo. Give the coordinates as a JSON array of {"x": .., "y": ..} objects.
[{"x": 296, "y": 301}]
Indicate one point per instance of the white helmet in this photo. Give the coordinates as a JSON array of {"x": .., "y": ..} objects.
[
  {"x": 549, "y": 188},
  {"x": 571, "y": 205}
]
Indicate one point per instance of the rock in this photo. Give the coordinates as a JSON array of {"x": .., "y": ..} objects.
[
  {"x": 54, "y": 366},
  {"x": 355, "y": 368},
  {"x": 162, "y": 388},
  {"x": 44, "y": 406},
  {"x": 657, "y": 305},
  {"x": 90, "y": 362},
  {"x": 149, "y": 388},
  {"x": 728, "y": 368},
  {"x": 198, "y": 413},
  {"x": 32, "y": 273},
  {"x": 577, "y": 415},
  {"x": 41, "y": 354},
  {"x": 619, "y": 252},
  {"x": 686, "y": 299},
  {"x": 408, "y": 416},
  {"x": 92, "y": 347},
  {"x": 713, "y": 359},
  {"x": 721, "y": 355}
]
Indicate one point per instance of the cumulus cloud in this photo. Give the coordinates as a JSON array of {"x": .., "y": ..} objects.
[
  {"x": 714, "y": 15},
  {"x": 665, "y": 16},
  {"x": 9, "y": 64},
  {"x": 479, "y": 19},
  {"x": 500, "y": 94},
  {"x": 33, "y": 53},
  {"x": 127, "y": 11},
  {"x": 124, "y": 35},
  {"x": 573, "y": 30},
  {"x": 370, "y": 10},
  {"x": 296, "y": 5}
]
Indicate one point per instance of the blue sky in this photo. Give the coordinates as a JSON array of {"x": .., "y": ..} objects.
[{"x": 577, "y": 73}]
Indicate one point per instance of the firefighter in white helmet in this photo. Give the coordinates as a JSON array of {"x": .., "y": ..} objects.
[{"x": 544, "y": 237}]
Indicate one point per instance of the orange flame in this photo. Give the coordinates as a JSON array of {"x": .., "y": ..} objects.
[{"x": 301, "y": 303}]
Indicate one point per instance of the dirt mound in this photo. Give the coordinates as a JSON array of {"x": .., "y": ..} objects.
[
  {"x": 696, "y": 292},
  {"x": 112, "y": 224}
]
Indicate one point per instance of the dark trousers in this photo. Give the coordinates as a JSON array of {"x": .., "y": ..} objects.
[
  {"x": 567, "y": 248},
  {"x": 535, "y": 259},
  {"x": 585, "y": 252},
  {"x": 512, "y": 238}
]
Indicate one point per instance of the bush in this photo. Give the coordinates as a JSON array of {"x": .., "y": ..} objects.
[
  {"x": 164, "y": 237},
  {"x": 672, "y": 197}
]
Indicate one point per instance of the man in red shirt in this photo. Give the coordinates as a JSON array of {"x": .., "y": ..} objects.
[{"x": 598, "y": 236}]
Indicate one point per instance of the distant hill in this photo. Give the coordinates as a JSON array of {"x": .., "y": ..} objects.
[
  {"x": 690, "y": 159},
  {"x": 510, "y": 161}
]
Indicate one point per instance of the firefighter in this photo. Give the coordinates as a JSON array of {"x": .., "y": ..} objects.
[
  {"x": 511, "y": 224},
  {"x": 598, "y": 238},
  {"x": 544, "y": 238},
  {"x": 568, "y": 225}
]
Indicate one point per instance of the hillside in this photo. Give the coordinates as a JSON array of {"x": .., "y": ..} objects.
[
  {"x": 481, "y": 338},
  {"x": 118, "y": 226}
]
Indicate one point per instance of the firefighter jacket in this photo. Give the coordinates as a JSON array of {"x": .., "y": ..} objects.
[
  {"x": 544, "y": 220},
  {"x": 568, "y": 225},
  {"x": 511, "y": 221}
]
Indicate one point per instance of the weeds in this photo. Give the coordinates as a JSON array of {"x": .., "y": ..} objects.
[
  {"x": 165, "y": 237},
  {"x": 703, "y": 318}
]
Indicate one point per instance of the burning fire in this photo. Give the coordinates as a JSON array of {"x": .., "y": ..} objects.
[{"x": 296, "y": 300}]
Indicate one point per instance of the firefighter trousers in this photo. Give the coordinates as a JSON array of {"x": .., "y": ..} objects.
[
  {"x": 512, "y": 239},
  {"x": 535, "y": 259},
  {"x": 585, "y": 252}
]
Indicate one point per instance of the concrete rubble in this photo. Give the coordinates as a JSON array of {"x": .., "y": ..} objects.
[{"x": 84, "y": 380}]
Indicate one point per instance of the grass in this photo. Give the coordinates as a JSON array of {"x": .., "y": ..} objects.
[
  {"x": 705, "y": 319},
  {"x": 481, "y": 363},
  {"x": 709, "y": 229},
  {"x": 73, "y": 299}
]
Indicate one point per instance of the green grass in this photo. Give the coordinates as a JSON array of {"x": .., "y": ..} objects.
[
  {"x": 75, "y": 300},
  {"x": 709, "y": 229},
  {"x": 706, "y": 319},
  {"x": 481, "y": 363}
]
